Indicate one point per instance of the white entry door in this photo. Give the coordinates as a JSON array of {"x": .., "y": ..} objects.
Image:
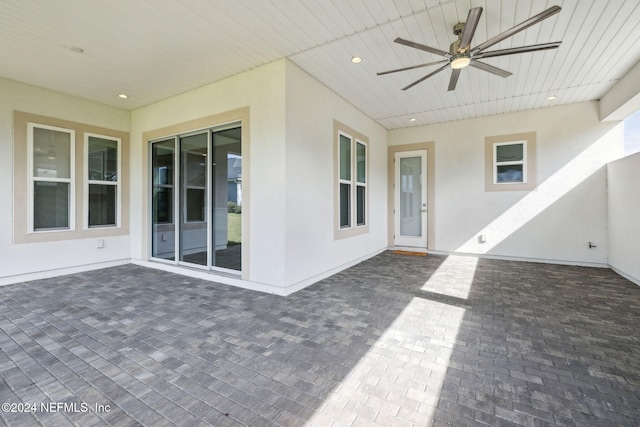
[{"x": 410, "y": 188}]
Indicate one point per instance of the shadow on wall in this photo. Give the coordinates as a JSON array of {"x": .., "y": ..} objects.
[{"x": 578, "y": 192}]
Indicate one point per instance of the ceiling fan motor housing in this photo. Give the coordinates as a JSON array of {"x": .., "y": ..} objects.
[{"x": 459, "y": 58}]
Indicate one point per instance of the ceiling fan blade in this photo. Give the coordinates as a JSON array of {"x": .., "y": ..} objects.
[
  {"x": 490, "y": 68},
  {"x": 514, "y": 30},
  {"x": 523, "y": 49},
  {"x": 412, "y": 67},
  {"x": 453, "y": 81},
  {"x": 422, "y": 47},
  {"x": 470, "y": 28},
  {"x": 426, "y": 77}
]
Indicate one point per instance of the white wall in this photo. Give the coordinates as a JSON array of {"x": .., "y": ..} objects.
[
  {"x": 22, "y": 261},
  {"x": 310, "y": 246},
  {"x": 263, "y": 91},
  {"x": 291, "y": 171},
  {"x": 556, "y": 221},
  {"x": 624, "y": 207}
]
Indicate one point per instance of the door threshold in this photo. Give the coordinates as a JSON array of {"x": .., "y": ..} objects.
[{"x": 408, "y": 252}]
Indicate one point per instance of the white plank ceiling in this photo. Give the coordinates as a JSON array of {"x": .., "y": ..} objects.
[{"x": 154, "y": 49}]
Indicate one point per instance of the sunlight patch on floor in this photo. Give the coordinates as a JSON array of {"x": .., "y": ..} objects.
[
  {"x": 453, "y": 277},
  {"x": 401, "y": 375}
]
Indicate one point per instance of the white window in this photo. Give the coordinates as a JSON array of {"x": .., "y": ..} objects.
[
  {"x": 510, "y": 162},
  {"x": 102, "y": 183},
  {"x": 352, "y": 178},
  {"x": 51, "y": 176}
]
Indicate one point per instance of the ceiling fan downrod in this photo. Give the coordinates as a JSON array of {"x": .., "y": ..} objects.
[{"x": 460, "y": 58}]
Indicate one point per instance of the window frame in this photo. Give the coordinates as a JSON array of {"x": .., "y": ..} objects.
[
  {"x": 529, "y": 173},
  {"x": 359, "y": 184},
  {"x": 31, "y": 180},
  {"x": 522, "y": 162},
  {"x": 87, "y": 182},
  {"x": 354, "y": 227},
  {"x": 185, "y": 186},
  {"x": 23, "y": 196}
]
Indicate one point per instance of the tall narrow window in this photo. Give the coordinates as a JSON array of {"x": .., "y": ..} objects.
[
  {"x": 103, "y": 158},
  {"x": 345, "y": 181},
  {"x": 351, "y": 182},
  {"x": 51, "y": 177},
  {"x": 361, "y": 182}
]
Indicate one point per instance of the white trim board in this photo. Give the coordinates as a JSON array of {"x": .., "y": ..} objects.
[
  {"x": 626, "y": 276},
  {"x": 522, "y": 259}
]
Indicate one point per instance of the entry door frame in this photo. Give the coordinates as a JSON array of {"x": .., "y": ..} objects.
[
  {"x": 418, "y": 241},
  {"x": 431, "y": 193}
]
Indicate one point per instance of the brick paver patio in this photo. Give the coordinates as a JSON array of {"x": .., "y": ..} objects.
[{"x": 394, "y": 341}]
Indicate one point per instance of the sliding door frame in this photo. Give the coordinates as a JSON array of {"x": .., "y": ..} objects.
[{"x": 179, "y": 211}]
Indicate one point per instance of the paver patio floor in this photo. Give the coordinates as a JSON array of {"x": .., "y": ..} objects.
[{"x": 395, "y": 340}]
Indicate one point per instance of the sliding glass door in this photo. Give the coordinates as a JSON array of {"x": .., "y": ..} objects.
[
  {"x": 162, "y": 200},
  {"x": 197, "y": 199},
  {"x": 227, "y": 185},
  {"x": 193, "y": 198}
]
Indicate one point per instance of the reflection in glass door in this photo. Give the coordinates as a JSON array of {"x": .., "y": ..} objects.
[
  {"x": 163, "y": 226},
  {"x": 411, "y": 198},
  {"x": 193, "y": 199},
  {"x": 197, "y": 184},
  {"x": 227, "y": 189}
]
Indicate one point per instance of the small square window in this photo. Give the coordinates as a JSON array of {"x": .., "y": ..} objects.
[{"x": 510, "y": 162}]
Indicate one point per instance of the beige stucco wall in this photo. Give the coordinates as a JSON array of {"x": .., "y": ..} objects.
[
  {"x": 22, "y": 258},
  {"x": 555, "y": 221}
]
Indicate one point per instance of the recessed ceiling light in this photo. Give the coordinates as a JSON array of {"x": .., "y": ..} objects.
[
  {"x": 76, "y": 49},
  {"x": 551, "y": 98},
  {"x": 412, "y": 119},
  {"x": 356, "y": 60},
  {"x": 123, "y": 96}
]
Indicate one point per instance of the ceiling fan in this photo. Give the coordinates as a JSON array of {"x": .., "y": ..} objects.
[{"x": 461, "y": 54}]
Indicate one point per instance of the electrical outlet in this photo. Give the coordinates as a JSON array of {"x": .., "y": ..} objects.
[{"x": 100, "y": 243}]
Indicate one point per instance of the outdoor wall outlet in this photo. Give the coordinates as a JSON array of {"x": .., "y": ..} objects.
[
  {"x": 482, "y": 238},
  {"x": 164, "y": 237},
  {"x": 100, "y": 243}
]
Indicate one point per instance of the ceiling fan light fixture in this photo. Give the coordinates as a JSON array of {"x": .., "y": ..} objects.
[{"x": 460, "y": 61}]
